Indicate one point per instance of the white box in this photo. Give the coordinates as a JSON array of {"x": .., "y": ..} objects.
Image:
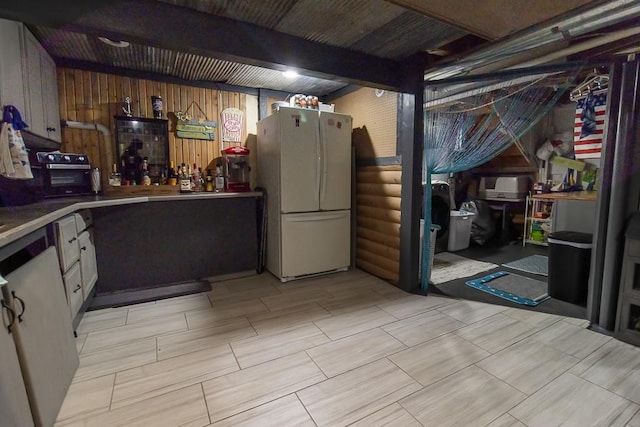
[
  {"x": 459, "y": 231},
  {"x": 326, "y": 107}
]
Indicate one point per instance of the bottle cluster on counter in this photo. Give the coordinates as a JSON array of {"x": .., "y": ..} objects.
[{"x": 188, "y": 178}]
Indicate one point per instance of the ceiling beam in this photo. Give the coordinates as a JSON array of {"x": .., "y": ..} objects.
[{"x": 182, "y": 29}]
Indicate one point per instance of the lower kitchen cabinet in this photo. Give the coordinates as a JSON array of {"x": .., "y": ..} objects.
[
  {"x": 42, "y": 334},
  {"x": 14, "y": 404}
]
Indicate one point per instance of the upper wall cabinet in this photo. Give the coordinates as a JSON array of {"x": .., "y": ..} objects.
[
  {"x": 11, "y": 76},
  {"x": 41, "y": 90},
  {"x": 28, "y": 80}
]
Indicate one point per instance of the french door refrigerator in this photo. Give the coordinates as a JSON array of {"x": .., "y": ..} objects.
[{"x": 304, "y": 164}]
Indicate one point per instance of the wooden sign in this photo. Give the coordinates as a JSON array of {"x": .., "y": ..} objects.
[{"x": 195, "y": 129}]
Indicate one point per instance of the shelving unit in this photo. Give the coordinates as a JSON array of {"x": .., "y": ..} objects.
[
  {"x": 152, "y": 138},
  {"x": 537, "y": 220}
]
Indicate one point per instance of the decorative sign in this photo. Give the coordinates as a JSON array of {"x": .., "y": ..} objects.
[
  {"x": 232, "y": 124},
  {"x": 196, "y": 129},
  {"x": 200, "y": 128}
]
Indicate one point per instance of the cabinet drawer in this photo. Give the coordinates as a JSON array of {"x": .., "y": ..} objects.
[
  {"x": 88, "y": 265},
  {"x": 73, "y": 285},
  {"x": 67, "y": 242}
]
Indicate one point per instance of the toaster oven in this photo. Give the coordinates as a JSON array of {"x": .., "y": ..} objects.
[{"x": 62, "y": 174}]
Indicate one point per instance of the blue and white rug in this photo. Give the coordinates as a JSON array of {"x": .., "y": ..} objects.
[
  {"x": 536, "y": 264},
  {"x": 512, "y": 287}
]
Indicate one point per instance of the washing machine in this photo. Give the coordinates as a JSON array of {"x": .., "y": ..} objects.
[{"x": 441, "y": 205}]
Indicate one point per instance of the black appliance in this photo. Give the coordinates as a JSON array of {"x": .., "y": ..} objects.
[{"x": 62, "y": 174}]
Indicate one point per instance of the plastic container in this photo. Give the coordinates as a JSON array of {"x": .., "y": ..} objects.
[
  {"x": 569, "y": 265},
  {"x": 459, "y": 230},
  {"x": 434, "y": 235}
]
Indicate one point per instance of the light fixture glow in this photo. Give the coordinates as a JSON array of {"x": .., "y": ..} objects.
[
  {"x": 290, "y": 74},
  {"x": 113, "y": 43}
]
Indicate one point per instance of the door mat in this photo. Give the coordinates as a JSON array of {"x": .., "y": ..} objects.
[
  {"x": 512, "y": 287},
  {"x": 448, "y": 266},
  {"x": 536, "y": 264}
]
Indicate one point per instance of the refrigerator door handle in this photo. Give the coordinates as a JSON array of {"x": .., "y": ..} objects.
[
  {"x": 318, "y": 166},
  {"x": 325, "y": 172},
  {"x": 314, "y": 218}
]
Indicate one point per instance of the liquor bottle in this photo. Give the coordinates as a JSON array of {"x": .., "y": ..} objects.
[
  {"x": 219, "y": 181},
  {"x": 115, "y": 179},
  {"x": 198, "y": 183},
  {"x": 171, "y": 175},
  {"x": 185, "y": 181},
  {"x": 209, "y": 186},
  {"x": 146, "y": 179}
]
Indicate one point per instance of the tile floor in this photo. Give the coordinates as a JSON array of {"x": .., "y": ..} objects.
[{"x": 344, "y": 349}]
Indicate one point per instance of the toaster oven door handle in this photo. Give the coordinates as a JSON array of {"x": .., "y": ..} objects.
[{"x": 61, "y": 166}]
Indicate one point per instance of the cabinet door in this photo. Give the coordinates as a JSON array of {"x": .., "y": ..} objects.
[
  {"x": 34, "y": 111},
  {"x": 67, "y": 242},
  {"x": 14, "y": 404},
  {"x": 88, "y": 264},
  {"x": 50, "y": 97},
  {"x": 11, "y": 81},
  {"x": 44, "y": 338},
  {"x": 73, "y": 286}
]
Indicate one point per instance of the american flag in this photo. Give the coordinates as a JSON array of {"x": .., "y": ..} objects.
[{"x": 589, "y": 126}]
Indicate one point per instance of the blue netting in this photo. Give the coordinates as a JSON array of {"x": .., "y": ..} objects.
[{"x": 467, "y": 129}]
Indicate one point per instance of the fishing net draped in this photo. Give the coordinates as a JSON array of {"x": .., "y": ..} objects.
[{"x": 466, "y": 127}]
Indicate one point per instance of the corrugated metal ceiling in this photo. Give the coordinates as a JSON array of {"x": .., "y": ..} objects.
[{"x": 377, "y": 28}]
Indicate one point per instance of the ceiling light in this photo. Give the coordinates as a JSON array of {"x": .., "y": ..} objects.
[
  {"x": 290, "y": 74},
  {"x": 110, "y": 42}
]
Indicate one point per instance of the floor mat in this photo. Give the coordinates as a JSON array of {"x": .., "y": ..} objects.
[
  {"x": 448, "y": 266},
  {"x": 512, "y": 287},
  {"x": 536, "y": 264}
]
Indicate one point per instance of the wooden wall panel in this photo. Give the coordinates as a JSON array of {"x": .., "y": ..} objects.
[
  {"x": 96, "y": 97},
  {"x": 378, "y": 190}
]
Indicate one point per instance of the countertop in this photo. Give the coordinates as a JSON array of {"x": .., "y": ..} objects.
[
  {"x": 590, "y": 196},
  {"x": 19, "y": 221}
]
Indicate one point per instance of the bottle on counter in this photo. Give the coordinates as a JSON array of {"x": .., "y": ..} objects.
[
  {"x": 209, "y": 186},
  {"x": 115, "y": 179},
  {"x": 146, "y": 179},
  {"x": 171, "y": 175},
  {"x": 185, "y": 180},
  {"x": 219, "y": 180},
  {"x": 198, "y": 183}
]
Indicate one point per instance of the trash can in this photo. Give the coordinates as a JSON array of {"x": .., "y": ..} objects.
[
  {"x": 569, "y": 264},
  {"x": 459, "y": 230},
  {"x": 432, "y": 251}
]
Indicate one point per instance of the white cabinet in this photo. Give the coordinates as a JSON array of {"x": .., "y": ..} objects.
[
  {"x": 77, "y": 258},
  {"x": 42, "y": 333},
  {"x": 67, "y": 242},
  {"x": 42, "y": 112},
  {"x": 11, "y": 75},
  {"x": 88, "y": 264},
  {"x": 14, "y": 404},
  {"x": 73, "y": 287}
]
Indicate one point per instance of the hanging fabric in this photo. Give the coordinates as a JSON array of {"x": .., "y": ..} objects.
[
  {"x": 14, "y": 158},
  {"x": 589, "y": 126},
  {"x": 471, "y": 127}
]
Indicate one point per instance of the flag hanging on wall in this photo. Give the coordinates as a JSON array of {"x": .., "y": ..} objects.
[{"x": 589, "y": 126}]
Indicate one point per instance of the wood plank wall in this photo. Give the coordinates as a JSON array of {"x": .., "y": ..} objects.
[
  {"x": 93, "y": 97},
  {"x": 377, "y": 187},
  {"x": 378, "y": 220}
]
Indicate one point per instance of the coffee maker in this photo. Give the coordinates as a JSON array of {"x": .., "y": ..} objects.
[{"x": 236, "y": 169}]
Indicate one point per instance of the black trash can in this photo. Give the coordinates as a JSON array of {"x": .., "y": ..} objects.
[{"x": 569, "y": 264}]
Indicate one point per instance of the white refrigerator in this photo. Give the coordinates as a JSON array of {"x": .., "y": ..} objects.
[{"x": 304, "y": 164}]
